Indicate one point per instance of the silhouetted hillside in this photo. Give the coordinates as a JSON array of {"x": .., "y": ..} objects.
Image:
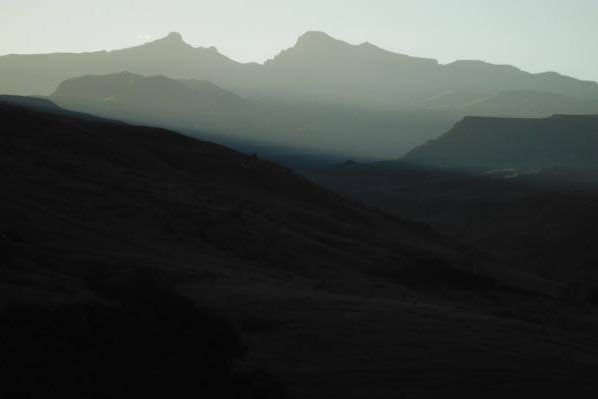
[
  {"x": 494, "y": 143},
  {"x": 31, "y": 102},
  {"x": 543, "y": 220},
  {"x": 316, "y": 283},
  {"x": 79, "y": 191}
]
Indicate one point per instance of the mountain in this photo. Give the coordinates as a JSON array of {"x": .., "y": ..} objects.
[
  {"x": 320, "y": 95},
  {"x": 321, "y": 68},
  {"x": 479, "y": 76},
  {"x": 324, "y": 69},
  {"x": 268, "y": 126},
  {"x": 170, "y": 56},
  {"x": 478, "y": 143},
  {"x": 154, "y": 100},
  {"x": 529, "y": 104},
  {"x": 86, "y": 197},
  {"x": 308, "y": 279},
  {"x": 133, "y": 88},
  {"x": 511, "y": 103},
  {"x": 541, "y": 221},
  {"x": 522, "y": 189},
  {"x": 318, "y": 68},
  {"x": 31, "y": 102},
  {"x": 274, "y": 127}
]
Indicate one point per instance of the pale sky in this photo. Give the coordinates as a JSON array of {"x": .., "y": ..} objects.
[{"x": 535, "y": 35}]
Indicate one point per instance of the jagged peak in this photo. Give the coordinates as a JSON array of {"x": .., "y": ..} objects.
[
  {"x": 322, "y": 41},
  {"x": 175, "y": 36},
  {"x": 316, "y": 37},
  {"x": 173, "y": 39}
]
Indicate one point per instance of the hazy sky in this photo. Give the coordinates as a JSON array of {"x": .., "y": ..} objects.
[{"x": 536, "y": 35}]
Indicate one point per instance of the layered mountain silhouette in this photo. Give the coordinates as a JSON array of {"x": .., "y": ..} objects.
[
  {"x": 478, "y": 143},
  {"x": 251, "y": 124},
  {"x": 170, "y": 56},
  {"x": 315, "y": 282},
  {"x": 127, "y": 87},
  {"x": 320, "y": 95},
  {"x": 153, "y": 100},
  {"x": 318, "y": 67},
  {"x": 368, "y": 75}
]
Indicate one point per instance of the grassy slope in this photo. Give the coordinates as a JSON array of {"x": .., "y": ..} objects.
[{"x": 87, "y": 200}]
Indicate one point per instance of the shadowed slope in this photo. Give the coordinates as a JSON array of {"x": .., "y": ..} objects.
[
  {"x": 79, "y": 191},
  {"x": 304, "y": 271}
]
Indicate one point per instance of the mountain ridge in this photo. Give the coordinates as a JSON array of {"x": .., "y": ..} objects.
[
  {"x": 481, "y": 143},
  {"x": 209, "y": 64}
]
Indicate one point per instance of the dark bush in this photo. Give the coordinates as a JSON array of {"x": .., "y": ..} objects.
[{"x": 152, "y": 343}]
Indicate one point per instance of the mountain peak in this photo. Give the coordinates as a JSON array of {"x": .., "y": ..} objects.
[
  {"x": 313, "y": 37},
  {"x": 315, "y": 34},
  {"x": 173, "y": 39}
]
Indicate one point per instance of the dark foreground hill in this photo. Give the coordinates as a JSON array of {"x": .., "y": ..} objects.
[
  {"x": 97, "y": 211},
  {"x": 338, "y": 299},
  {"x": 77, "y": 191},
  {"x": 543, "y": 220}
]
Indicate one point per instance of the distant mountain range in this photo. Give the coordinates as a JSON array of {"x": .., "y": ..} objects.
[
  {"x": 318, "y": 68},
  {"x": 170, "y": 56},
  {"x": 200, "y": 107},
  {"x": 514, "y": 103},
  {"x": 479, "y": 144},
  {"x": 321, "y": 67},
  {"x": 152, "y": 100},
  {"x": 322, "y": 95}
]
